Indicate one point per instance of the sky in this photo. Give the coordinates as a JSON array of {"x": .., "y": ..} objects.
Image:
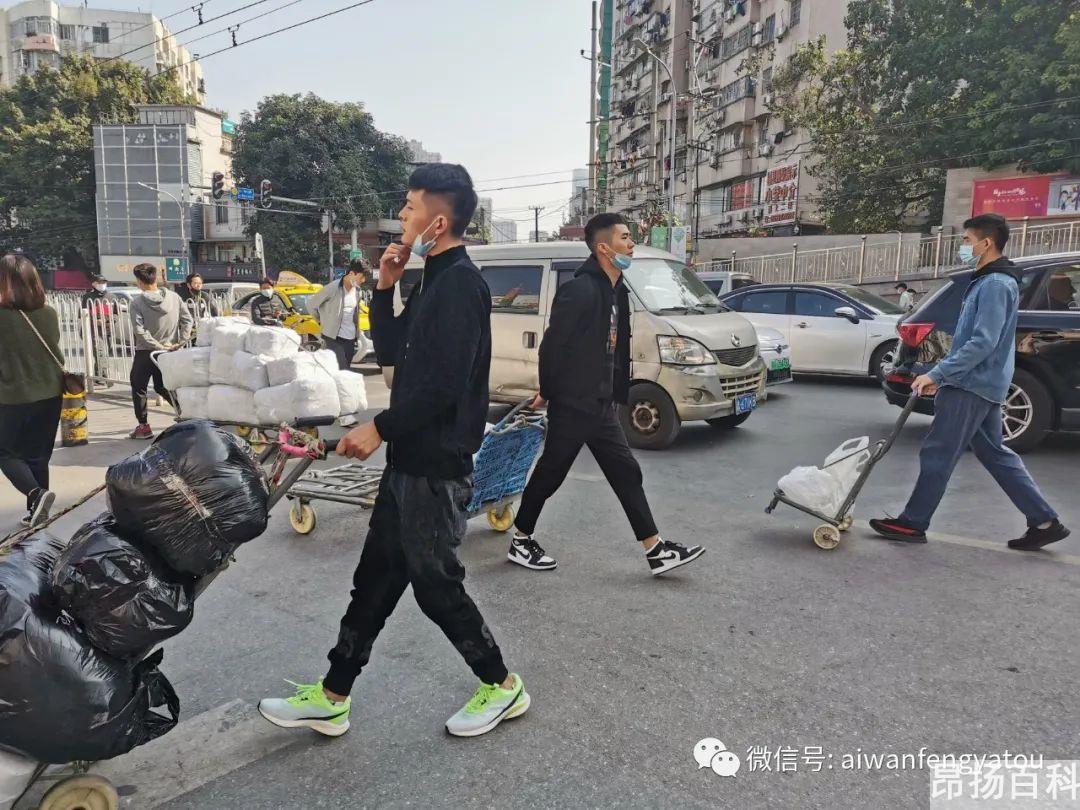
[{"x": 496, "y": 85}]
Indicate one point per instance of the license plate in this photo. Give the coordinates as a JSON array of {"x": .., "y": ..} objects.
[
  {"x": 780, "y": 364},
  {"x": 745, "y": 403}
]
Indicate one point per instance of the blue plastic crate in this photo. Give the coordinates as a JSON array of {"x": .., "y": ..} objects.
[{"x": 505, "y": 458}]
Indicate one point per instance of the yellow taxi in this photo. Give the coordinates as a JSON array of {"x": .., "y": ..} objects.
[{"x": 294, "y": 290}]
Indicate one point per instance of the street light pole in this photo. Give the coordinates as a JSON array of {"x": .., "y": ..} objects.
[
  {"x": 671, "y": 126},
  {"x": 179, "y": 207}
]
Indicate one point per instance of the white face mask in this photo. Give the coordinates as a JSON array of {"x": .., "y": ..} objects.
[
  {"x": 267, "y": 293},
  {"x": 101, "y": 287}
]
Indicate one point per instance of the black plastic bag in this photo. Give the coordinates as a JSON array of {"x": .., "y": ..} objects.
[
  {"x": 193, "y": 495},
  {"x": 125, "y": 598},
  {"x": 60, "y": 699}
]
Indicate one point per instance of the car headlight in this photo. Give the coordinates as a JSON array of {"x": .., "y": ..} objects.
[{"x": 680, "y": 351}]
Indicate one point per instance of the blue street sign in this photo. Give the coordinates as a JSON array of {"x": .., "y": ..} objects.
[{"x": 244, "y": 193}]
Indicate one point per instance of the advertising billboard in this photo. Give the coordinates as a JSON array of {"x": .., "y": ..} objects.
[{"x": 1041, "y": 195}]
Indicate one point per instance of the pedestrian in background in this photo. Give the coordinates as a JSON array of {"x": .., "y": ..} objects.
[
  {"x": 97, "y": 298},
  {"x": 101, "y": 305},
  {"x": 585, "y": 375},
  {"x": 160, "y": 322},
  {"x": 31, "y": 367},
  {"x": 266, "y": 307},
  {"x": 337, "y": 309},
  {"x": 907, "y": 297},
  {"x": 201, "y": 305},
  {"x": 969, "y": 386}
]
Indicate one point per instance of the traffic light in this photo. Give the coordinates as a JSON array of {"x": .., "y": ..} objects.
[
  {"x": 266, "y": 188},
  {"x": 217, "y": 184}
]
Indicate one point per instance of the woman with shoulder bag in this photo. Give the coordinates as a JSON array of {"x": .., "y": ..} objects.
[{"x": 31, "y": 384}]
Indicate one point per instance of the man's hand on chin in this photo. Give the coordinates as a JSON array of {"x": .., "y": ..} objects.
[{"x": 360, "y": 442}]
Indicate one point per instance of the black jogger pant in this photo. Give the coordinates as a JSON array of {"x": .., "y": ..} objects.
[
  {"x": 27, "y": 436},
  {"x": 416, "y": 527},
  {"x": 569, "y": 429},
  {"x": 343, "y": 350},
  {"x": 142, "y": 371}
]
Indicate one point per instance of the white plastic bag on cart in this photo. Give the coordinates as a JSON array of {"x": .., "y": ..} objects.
[
  {"x": 351, "y": 392},
  {"x": 249, "y": 371},
  {"x": 229, "y": 335},
  {"x": 301, "y": 366},
  {"x": 231, "y": 405},
  {"x": 847, "y": 461},
  {"x": 221, "y": 367},
  {"x": 185, "y": 368},
  {"x": 271, "y": 341},
  {"x": 15, "y": 773},
  {"x": 814, "y": 488},
  {"x": 312, "y": 396},
  {"x": 205, "y": 327},
  {"x": 192, "y": 402}
]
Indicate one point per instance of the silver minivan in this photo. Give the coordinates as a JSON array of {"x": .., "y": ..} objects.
[{"x": 692, "y": 358}]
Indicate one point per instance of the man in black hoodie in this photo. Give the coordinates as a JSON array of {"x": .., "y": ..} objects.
[
  {"x": 585, "y": 375},
  {"x": 440, "y": 348}
]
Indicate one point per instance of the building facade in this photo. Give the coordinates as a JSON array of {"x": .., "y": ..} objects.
[
  {"x": 38, "y": 33},
  {"x": 578, "y": 208},
  {"x": 738, "y": 169},
  {"x": 154, "y": 197},
  {"x": 503, "y": 231}
]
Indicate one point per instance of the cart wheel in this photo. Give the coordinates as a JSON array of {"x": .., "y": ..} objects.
[
  {"x": 845, "y": 524},
  {"x": 302, "y": 517},
  {"x": 826, "y": 536},
  {"x": 81, "y": 793},
  {"x": 501, "y": 520}
]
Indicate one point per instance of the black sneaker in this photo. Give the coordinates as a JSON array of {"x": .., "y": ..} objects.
[
  {"x": 1037, "y": 538},
  {"x": 527, "y": 552},
  {"x": 39, "y": 502},
  {"x": 665, "y": 556},
  {"x": 896, "y": 529}
]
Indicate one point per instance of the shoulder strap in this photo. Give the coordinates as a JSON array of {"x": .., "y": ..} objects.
[{"x": 39, "y": 337}]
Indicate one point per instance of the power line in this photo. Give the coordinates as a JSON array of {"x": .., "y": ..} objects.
[
  {"x": 196, "y": 8},
  {"x": 242, "y": 22}
]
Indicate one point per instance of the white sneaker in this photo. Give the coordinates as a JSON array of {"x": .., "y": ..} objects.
[
  {"x": 527, "y": 552},
  {"x": 665, "y": 556},
  {"x": 489, "y": 706},
  {"x": 308, "y": 708}
]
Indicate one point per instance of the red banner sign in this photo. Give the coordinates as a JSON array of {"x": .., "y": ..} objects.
[
  {"x": 1012, "y": 197},
  {"x": 781, "y": 195}
]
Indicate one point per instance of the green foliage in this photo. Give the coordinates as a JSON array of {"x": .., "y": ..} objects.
[
  {"x": 928, "y": 85},
  {"x": 311, "y": 148},
  {"x": 47, "y": 151}
]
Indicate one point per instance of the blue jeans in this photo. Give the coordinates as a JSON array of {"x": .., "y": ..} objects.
[{"x": 962, "y": 418}]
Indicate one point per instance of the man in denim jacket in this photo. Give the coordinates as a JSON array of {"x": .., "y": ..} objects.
[{"x": 969, "y": 385}]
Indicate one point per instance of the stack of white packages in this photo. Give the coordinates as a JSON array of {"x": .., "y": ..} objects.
[{"x": 244, "y": 374}]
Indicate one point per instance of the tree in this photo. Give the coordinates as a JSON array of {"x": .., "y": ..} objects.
[
  {"x": 314, "y": 149},
  {"x": 47, "y": 151},
  {"x": 928, "y": 85}
]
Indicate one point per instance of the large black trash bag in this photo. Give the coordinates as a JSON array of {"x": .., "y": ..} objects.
[
  {"x": 124, "y": 597},
  {"x": 60, "y": 699},
  {"x": 193, "y": 495}
]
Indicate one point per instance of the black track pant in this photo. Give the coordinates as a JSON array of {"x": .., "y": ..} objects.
[
  {"x": 142, "y": 371},
  {"x": 343, "y": 350},
  {"x": 27, "y": 436},
  {"x": 568, "y": 430},
  {"x": 416, "y": 527}
]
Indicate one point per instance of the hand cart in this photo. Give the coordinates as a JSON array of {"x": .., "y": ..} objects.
[
  {"x": 75, "y": 788},
  {"x": 827, "y": 535},
  {"x": 502, "y": 466}
]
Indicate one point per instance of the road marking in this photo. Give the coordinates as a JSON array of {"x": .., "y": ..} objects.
[
  {"x": 1048, "y": 555},
  {"x": 206, "y": 747}
]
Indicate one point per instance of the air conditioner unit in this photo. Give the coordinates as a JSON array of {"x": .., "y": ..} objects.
[
  {"x": 765, "y": 149},
  {"x": 758, "y": 28},
  {"x": 756, "y": 39},
  {"x": 767, "y": 98},
  {"x": 759, "y": 213},
  {"x": 715, "y": 162},
  {"x": 744, "y": 216},
  {"x": 781, "y": 32}
]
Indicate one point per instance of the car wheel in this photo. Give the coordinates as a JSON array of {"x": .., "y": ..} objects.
[
  {"x": 728, "y": 422},
  {"x": 650, "y": 419},
  {"x": 884, "y": 356},
  {"x": 1027, "y": 412}
]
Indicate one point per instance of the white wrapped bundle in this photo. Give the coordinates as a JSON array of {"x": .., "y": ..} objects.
[
  {"x": 312, "y": 396},
  {"x": 351, "y": 392},
  {"x": 185, "y": 368},
  {"x": 204, "y": 328},
  {"x": 249, "y": 371},
  {"x": 229, "y": 335},
  {"x": 221, "y": 367},
  {"x": 303, "y": 365},
  {"x": 232, "y": 405},
  {"x": 192, "y": 402},
  {"x": 271, "y": 341}
]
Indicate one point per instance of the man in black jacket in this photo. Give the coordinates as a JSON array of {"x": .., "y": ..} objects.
[
  {"x": 266, "y": 307},
  {"x": 440, "y": 348},
  {"x": 201, "y": 305},
  {"x": 585, "y": 375}
]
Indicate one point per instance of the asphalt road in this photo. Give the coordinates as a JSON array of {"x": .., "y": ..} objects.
[{"x": 767, "y": 642}]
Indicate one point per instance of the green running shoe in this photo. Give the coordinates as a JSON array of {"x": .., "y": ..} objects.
[
  {"x": 489, "y": 706},
  {"x": 308, "y": 708}
]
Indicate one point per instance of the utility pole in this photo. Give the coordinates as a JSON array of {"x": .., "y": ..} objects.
[
  {"x": 592, "y": 112},
  {"x": 536, "y": 211},
  {"x": 671, "y": 127}
]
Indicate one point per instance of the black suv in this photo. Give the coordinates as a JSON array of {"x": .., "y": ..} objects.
[{"x": 1045, "y": 391}]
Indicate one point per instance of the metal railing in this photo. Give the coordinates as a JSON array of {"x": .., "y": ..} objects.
[{"x": 891, "y": 261}]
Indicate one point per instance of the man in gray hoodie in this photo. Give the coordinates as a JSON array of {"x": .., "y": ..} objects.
[{"x": 160, "y": 322}]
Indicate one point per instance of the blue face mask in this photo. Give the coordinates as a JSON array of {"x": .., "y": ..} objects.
[
  {"x": 622, "y": 262},
  {"x": 967, "y": 255},
  {"x": 419, "y": 246}
]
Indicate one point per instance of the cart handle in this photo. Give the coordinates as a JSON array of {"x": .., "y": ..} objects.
[
  {"x": 521, "y": 406},
  {"x": 886, "y": 444}
]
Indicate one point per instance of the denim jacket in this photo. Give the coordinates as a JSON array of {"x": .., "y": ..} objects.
[{"x": 982, "y": 356}]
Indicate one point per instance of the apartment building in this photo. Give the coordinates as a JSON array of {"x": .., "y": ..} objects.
[
  {"x": 38, "y": 33},
  {"x": 738, "y": 169}
]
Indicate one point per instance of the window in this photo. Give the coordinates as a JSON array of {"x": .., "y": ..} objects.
[
  {"x": 816, "y": 305},
  {"x": 767, "y": 302},
  {"x": 770, "y": 28},
  {"x": 1060, "y": 290},
  {"x": 736, "y": 43},
  {"x": 738, "y": 89},
  {"x": 763, "y": 130},
  {"x": 514, "y": 288},
  {"x": 67, "y": 31},
  {"x": 221, "y": 213},
  {"x": 796, "y": 11},
  {"x": 730, "y": 139},
  {"x": 766, "y": 79},
  {"x": 101, "y": 35}
]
